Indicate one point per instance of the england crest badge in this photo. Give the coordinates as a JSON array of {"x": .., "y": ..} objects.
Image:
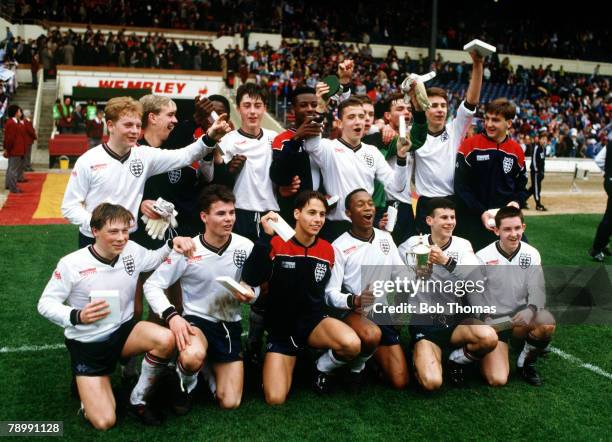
[
  {"x": 368, "y": 159},
  {"x": 129, "y": 265},
  {"x": 240, "y": 257},
  {"x": 524, "y": 260},
  {"x": 319, "y": 271},
  {"x": 174, "y": 176},
  {"x": 508, "y": 163},
  {"x": 136, "y": 167},
  {"x": 385, "y": 246}
]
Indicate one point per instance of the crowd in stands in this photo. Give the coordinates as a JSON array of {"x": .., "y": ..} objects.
[
  {"x": 114, "y": 49},
  {"x": 581, "y": 34},
  {"x": 573, "y": 110}
]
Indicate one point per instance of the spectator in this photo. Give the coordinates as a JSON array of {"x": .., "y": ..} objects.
[
  {"x": 65, "y": 109},
  {"x": 31, "y": 137},
  {"x": 95, "y": 129},
  {"x": 15, "y": 144}
]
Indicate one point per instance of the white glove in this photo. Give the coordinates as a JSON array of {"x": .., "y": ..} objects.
[
  {"x": 156, "y": 228},
  {"x": 420, "y": 92}
]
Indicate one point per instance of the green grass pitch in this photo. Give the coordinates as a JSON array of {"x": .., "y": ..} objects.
[{"x": 574, "y": 403}]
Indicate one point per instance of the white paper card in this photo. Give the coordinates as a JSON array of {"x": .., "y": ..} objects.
[
  {"x": 402, "y": 129},
  {"x": 114, "y": 305},
  {"x": 391, "y": 218},
  {"x": 232, "y": 285},
  {"x": 282, "y": 229},
  {"x": 481, "y": 47}
]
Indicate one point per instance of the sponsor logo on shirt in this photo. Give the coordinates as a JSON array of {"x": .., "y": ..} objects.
[
  {"x": 96, "y": 167},
  {"x": 493, "y": 262},
  {"x": 194, "y": 258},
  {"x": 57, "y": 275},
  {"x": 87, "y": 272},
  {"x": 288, "y": 265},
  {"x": 349, "y": 250},
  {"x": 73, "y": 173},
  {"x": 482, "y": 157},
  {"x": 168, "y": 260}
]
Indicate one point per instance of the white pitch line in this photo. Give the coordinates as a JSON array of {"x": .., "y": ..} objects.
[
  {"x": 25, "y": 348},
  {"x": 580, "y": 363}
]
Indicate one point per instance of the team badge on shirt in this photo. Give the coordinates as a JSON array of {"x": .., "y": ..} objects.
[
  {"x": 508, "y": 162},
  {"x": 384, "y": 246},
  {"x": 524, "y": 260},
  {"x": 136, "y": 167},
  {"x": 174, "y": 176},
  {"x": 319, "y": 271},
  {"x": 454, "y": 255},
  {"x": 444, "y": 136},
  {"x": 129, "y": 265},
  {"x": 239, "y": 257},
  {"x": 368, "y": 159}
]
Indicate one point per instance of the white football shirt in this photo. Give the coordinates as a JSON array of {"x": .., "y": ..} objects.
[{"x": 253, "y": 188}]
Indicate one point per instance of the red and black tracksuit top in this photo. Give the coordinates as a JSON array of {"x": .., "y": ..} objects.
[
  {"x": 297, "y": 276},
  {"x": 488, "y": 175}
]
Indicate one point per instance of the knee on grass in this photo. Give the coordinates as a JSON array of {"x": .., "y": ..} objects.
[
  {"x": 275, "y": 397},
  {"x": 430, "y": 381},
  {"x": 228, "y": 401},
  {"x": 496, "y": 379},
  {"x": 103, "y": 421}
]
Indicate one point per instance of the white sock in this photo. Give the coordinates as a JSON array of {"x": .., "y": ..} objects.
[
  {"x": 358, "y": 364},
  {"x": 462, "y": 356},
  {"x": 528, "y": 348},
  {"x": 152, "y": 367},
  {"x": 210, "y": 379},
  {"x": 188, "y": 380},
  {"x": 328, "y": 362}
]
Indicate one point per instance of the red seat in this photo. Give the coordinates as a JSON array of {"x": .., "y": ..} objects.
[{"x": 71, "y": 145}]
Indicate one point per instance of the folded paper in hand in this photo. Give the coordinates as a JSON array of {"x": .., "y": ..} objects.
[
  {"x": 282, "y": 229},
  {"x": 114, "y": 305},
  {"x": 232, "y": 285},
  {"x": 481, "y": 47}
]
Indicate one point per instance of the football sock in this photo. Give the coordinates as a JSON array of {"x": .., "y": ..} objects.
[
  {"x": 358, "y": 364},
  {"x": 152, "y": 367},
  {"x": 209, "y": 377},
  {"x": 531, "y": 350},
  {"x": 462, "y": 356},
  {"x": 188, "y": 380},
  {"x": 328, "y": 362}
]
